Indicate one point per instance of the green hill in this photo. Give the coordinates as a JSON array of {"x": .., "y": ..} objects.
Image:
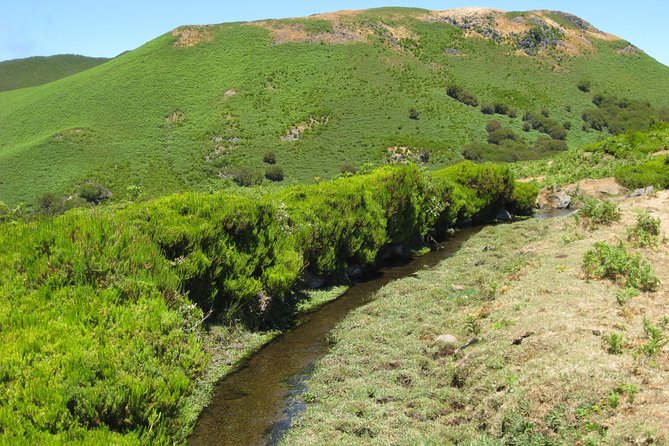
[
  {"x": 186, "y": 110},
  {"x": 32, "y": 71}
]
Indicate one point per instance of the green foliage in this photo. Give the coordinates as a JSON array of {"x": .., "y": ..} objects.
[
  {"x": 595, "y": 212},
  {"x": 459, "y": 94},
  {"x": 614, "y": 343},
  {"x": 624, "y": 295},
  {"x": 274, "y": 173},
  {"x": 269, "y": 158},
  {"x": 476, "y": 190},
  {"x": 22, "y": 73},
  {"x": 623, "y": 115},
  {"x": 654, "y": 172},
  {"x": 542, "y": 123},
  {"x": 59, "y": 133},
  {"x": 584, "y": 86},
  {"x": 646, "y": 232},
  {"x": 247, "y": 176},
  {"x": 655, "y": 338},
  {"x": 524, "y": 198},
  {"x": 348, "y": 168},
  {"x": 102, "y": 310},
  {"x": 606, "y": 261},
  {"x": 94, "y": 192}
]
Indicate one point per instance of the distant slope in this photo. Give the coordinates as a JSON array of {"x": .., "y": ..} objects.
[
  {"x": 186, "y": 109},
  {"x": 21, "y": 73}
]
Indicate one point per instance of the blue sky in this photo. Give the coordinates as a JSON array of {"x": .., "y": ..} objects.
[{"x": 105, "y": 28}]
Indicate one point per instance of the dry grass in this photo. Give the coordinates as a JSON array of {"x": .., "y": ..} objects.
[{"x": 189, "y": 36}]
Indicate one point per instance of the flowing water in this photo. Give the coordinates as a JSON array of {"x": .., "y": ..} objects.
[{"x": 255, "y": 405}]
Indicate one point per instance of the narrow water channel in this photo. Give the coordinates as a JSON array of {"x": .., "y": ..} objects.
[{"x": 255, "y": 405}]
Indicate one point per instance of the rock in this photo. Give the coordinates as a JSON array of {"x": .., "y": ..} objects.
[
  {"x": 599, "y": 188},
  {"x": 597, "y": 332},
  {"x": 550, "y": 199},
  {"x": 446, "y": 340},
  {"x": 520, "y": 338},
  {"x": 455, "y": 287},
  {"x": 643, "y": 192},
  {"x": 503, "y": 215}
]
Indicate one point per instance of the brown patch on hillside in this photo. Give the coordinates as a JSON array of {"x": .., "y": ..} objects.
[
  {"x": 296, "y": 33},
  {"x": 295, "y": 133},
  {"x": 499, "y": 26},
  {"x": 189, "y": 36},
  {"x": 174, "y": 117}
]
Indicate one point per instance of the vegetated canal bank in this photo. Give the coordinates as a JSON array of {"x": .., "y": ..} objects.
[{"x": 255, "y": 405}]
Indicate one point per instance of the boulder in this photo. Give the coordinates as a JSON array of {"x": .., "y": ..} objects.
[
  {"x": 553, "y": 199},
  {"x": 447, "y": 340},
  {"x": 503, "y": 215}
]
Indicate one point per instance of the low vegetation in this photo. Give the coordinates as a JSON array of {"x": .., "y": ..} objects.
[
  {"x": 615, "y": 262},
  {"x": 445, "y": 361},
  {"x": 595, "y": 212},
  {"x": 103, "y": 310}
]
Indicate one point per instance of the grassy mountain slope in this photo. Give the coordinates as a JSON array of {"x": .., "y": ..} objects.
[
  {"x": 32, "y": 71},
  {"x": 177, "y": 113}
]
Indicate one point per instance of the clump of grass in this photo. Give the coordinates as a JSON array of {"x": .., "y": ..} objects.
[
  {"x": 655, "y": 338},
  {"x": 614, "y": 343},
  {"x": 624, "y": 295},
  {"x": 607, "y": 261},
  {"x": 595, "y": 213},
  {"x": 646, "y": 232}
]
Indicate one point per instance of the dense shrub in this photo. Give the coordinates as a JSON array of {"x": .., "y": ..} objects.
[
  {"x": 584, "y": 86},
  {"x": 246, "y": 176},
  {"x": 94, "y": 192},
  {"x": 541, "y": 122},
  {"x": 524, "y": 198},
  {"x": 269, "y": 158},
  {"x": 654, "y": 172},
  {"x": 348, "y": 168},
  {"x": 274, "y": 173},
  {"x": 622, "y": 115},
  {"x": 487, "y": 109},
  {"x": 459, "y": 94},
  {"x": 478, "y": 192},
  {"x": 606, "y": 261},
  {"x": 100, "y": 336},
  {"x": 414, "y": 114}
]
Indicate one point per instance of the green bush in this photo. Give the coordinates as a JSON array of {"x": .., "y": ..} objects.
[
  {"x": 459, "y": 94},
  {"x": 477, "y": 192},
  {"x": 274, "y": 173},
  {"x": 584, "y": 86},
  {"x": 654, "y": 172},
  {"x": 269, "y": 158},
  {"x": 646, "y": 232},
  {"x": 246, "y": 176},
  {"x": 524, "y": 198},
  {"x": 595, "y": 212},
  {"x": 94, "y": 192},
  {"x": 102, "y": 309},
  {"x": 606, "y": 261}
]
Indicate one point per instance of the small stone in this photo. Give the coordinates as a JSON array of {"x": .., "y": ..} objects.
[
  {"x": 455, "y": 287},
  {"x": 447, "y": 340},
  {"x": 597, "y": 332}
]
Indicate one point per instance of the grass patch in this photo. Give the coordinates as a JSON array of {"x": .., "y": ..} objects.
[
  {"x": 596, "y": 213},
  {"x": 613, "y": 262}
]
